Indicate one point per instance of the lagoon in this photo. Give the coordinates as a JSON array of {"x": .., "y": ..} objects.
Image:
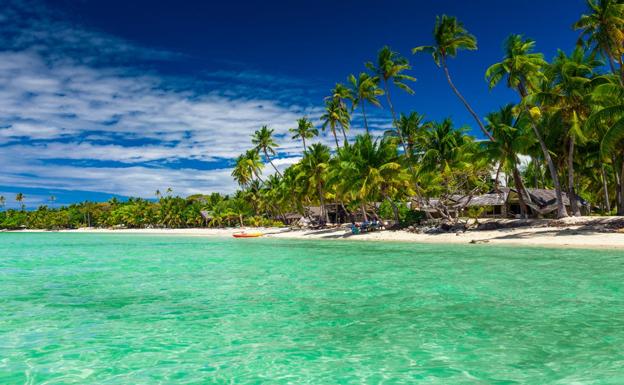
[{"x": 137, "y": 309}]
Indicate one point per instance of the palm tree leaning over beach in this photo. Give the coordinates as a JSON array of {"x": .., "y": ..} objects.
[
  {"x": 450, "y": 37},
  {"x": 365, "y": 89},
  {"x": 263, "y": 140},
  {"x": 602, "y": 29},
  {"x": 523, "y": 70},
  {"x": 304, "y": 130}
]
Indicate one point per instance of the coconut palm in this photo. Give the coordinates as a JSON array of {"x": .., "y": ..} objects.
[
  {"x": 567, "y": 95},
  {"x": 365, "y": 89},
  {"x": 611, "y": 115},
  {"x": 263, "y": 141},
  {"x": 602, "y": 29},
  {"x": 450, "y": 37},
  {"x": 19, "y": 198},
  {"x": 335, "y": 115},
  {"x": 522, "y": 68},
  {"x": 341, "y": 94},
  {"x": 511, "y": 138},
  {"x": 304, "y": 130},
  {"x": 2, "y": 201},
  {"x": 390, "y": 67},
  {"x": 313, "y": 171},
  {"x": 412, "y": 127}
]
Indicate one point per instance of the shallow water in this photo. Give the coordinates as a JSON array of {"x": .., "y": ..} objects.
[{"x": 131, "y": 309}]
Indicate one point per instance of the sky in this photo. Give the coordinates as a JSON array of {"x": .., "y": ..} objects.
[{"x": 103, "y": 98}]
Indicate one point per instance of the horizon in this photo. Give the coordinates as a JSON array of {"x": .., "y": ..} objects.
[{"x": 108, "y": 99}]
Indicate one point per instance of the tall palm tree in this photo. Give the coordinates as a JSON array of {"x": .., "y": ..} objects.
[
  {"x": 2, "y": 201},
  {"x": 365, "y": 89},
  {"x": 341, "y": 94},
  {"x": 390, "y": 67},
  {"x": 522, "y": 69},
  {"x": 602, "y": 29},
  {"x": 20, "y": 199},
  {"x": 335, "y": 115},
  {"x": 263, "y": 140},
  {"x": 304, "y": 130},
  {"x": 450, "y": 37}
]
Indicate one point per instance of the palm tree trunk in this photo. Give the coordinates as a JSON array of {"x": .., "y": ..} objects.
[
  {"x": 561, "y": 210},
  {"x": 498, "y": 169},
  {"x": 364, "y": 117},
  {"x": 395, "y": 209},
  {"x": 524, "y": 212},
  {"x": 363, "y": 206},
  {"x": 266, "y": 156},
  {"x": 621, "y": 192},
  {"x": 344, "y": 134},
  {"x": 324, "y": 212},
  {"x": 305, "y": 148},
  {"x": 333, "y": 130},
  {"x": 571, "y": 189},
  {"x": 463, "y": 100},
  {"x": 605, "y": 187}
]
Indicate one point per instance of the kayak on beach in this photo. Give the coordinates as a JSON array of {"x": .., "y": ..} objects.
[{"x": 247, "y": 235}]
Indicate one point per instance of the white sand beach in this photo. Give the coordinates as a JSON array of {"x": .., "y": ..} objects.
[{"x": 579, "y": 232}]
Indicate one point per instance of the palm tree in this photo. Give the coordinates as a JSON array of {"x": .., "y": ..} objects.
[
  {"x": 313, "y": 170},
  {"x": 602, "y": 29},
  {"x": 340, "y": 94},
  {"x": 412, "y": 127},
  {"x": 20, "y": 199},
  {"x": 2, "y": 201},
  {"x": 263, "y": 140},
  {"x": 511, "y": 138},
  {"x": 450, "y": 36},
  {"x": 365, "y": 89},
  {"x": 390, "y": 68},
  {"x": 567, "y": 93},
  {"x": 612, "y": 116},
  {"x": 372, "y": 171},
  {"x": 305, "y": 130},
  {"x": 335, "y": 115},
  {"x": 522, "y": 69}
]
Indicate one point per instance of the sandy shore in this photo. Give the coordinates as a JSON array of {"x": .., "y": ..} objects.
[{"x": 571, "y": 232}]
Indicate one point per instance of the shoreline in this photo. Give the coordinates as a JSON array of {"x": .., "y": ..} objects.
[{"x": 588, "y": 233}]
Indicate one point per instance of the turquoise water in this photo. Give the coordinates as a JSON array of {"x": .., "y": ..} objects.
[{"x": 123, "y": 309}]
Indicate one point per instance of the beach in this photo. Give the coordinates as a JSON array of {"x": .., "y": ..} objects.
[{"x": 573, "y": 232}]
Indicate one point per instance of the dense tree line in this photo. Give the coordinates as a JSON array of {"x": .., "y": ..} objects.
[
  {"x": 568, "y": 121},
  {"x": 166, "y": 211}
]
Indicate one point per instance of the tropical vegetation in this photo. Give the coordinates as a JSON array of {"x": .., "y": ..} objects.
[{"x": 564, "y": 131}]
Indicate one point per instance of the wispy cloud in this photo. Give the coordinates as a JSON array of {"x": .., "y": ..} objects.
[{"x": 62, "y": 103}]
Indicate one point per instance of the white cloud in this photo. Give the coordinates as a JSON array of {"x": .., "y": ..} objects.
[{"x": 62, "y": 107}]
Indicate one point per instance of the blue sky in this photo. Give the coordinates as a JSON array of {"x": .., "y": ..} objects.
[{"x": 103, "y": 98}]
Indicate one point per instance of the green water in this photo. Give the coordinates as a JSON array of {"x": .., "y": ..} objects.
[{"x": 123, "y": 309}]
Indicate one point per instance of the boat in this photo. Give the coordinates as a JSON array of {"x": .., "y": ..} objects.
[{"x": 247, "y": 235}]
